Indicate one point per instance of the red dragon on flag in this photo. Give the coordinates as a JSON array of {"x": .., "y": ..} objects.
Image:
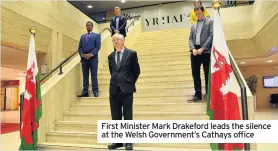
[
  {"x": 222, "y": 100},
  {"x": 32, "y": 109}
]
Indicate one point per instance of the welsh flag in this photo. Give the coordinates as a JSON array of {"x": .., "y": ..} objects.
[
  {"x": 222, "y": 102},
  {"x": 32, "y": 108}
]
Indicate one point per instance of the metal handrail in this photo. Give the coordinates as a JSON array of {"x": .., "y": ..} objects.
[
  {"x": 244, "y": 105},
  {"x": 127, "y": 18},
  {"x": 133, "y": 22},
  {"x": 63, "y": 62},
  {"x": 60, "y": 66}
]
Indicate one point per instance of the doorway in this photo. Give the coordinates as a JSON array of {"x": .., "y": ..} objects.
[{"x": 9, "y": 99}]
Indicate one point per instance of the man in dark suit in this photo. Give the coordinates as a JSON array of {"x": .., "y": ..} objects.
[
  {"x": 200, "y": 41},
  {"x": 118, "y": 23},
  {"x": 125, "y": 70},
  {"x": 89, "y": 46}
]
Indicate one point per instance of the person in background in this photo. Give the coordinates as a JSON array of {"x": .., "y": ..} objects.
[
  {"x": 88, "y": 48},
  {"x": 193, "y": 17},
  {"x": 124, "y": 70},
  {"x": 118, "y": 23},
  {"x": 200, "y": 43}
]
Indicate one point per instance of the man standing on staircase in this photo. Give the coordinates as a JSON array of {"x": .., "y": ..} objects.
[
  {"x": 118, "y": 23},
  {"x": 88, "y": 48},
  {"x": 200, "y": 42},
  {"x": 124, "y": 70}
]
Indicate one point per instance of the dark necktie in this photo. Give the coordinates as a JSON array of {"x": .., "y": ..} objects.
[
  {"x": 118, "y": 58},
  {"x": 87, "y": 37}
]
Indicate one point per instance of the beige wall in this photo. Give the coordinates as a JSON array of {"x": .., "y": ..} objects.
[
  {"x": 10, "y": 116},
  {"x": 263, "y": 12},
  {"x": 59, "y": 27},
  {"x": 262, "y": 94},
  {"x": 251, "y": 28},
  {"x": 236, "y": 21}
]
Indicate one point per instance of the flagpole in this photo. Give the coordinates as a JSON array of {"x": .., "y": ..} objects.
[
  {"x": 216, "y": 6},
  {"x": 33, "y": 30}
]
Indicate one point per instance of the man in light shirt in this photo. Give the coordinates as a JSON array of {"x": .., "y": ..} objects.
[
  {"x": 118, "y": 23},
  {"x": 124, "y": 70},
  {"x": 200, "y": 42}
]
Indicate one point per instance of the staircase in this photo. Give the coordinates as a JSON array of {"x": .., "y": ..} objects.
[{"x": 163, "y": 88}]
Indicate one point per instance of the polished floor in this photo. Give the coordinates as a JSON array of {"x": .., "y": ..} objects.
[{"x": 11, "y": 141}]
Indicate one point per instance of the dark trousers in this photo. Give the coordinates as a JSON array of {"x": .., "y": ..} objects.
[
  {"x": 88, "y": 66},
  {"x": 121, "y": 104},
  {"x": 196, "y": 62}
]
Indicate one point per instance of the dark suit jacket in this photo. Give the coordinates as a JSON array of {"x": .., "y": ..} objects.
[
  {"x": 206, "y": 35},
  {"x": 122, "y": 25},
  {"x": 92, "y": 45},
  {"x": 127, "y": 74}
]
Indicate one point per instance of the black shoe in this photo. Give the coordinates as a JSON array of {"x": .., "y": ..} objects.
[
  {"x": 83, "y": 95},
  {"x": 115, "y": 145},
  {"x": 195, "y": 99},
  {"x": 128, "y": 146},
  {"x": 95, "y": 94},
  {"x": 205, "y": 97}
]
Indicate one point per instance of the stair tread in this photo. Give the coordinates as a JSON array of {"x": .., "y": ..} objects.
[
  {"x": 80, "y": 120},
  {"x": 104, "y": 147},
  {"x": 141, "y": 113},
  {"x": 70, "y": 133},
  {"x": 77, "y": 122},
  {"x": 140, "y": 103}
]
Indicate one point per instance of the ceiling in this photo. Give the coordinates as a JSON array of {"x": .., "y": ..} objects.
[
  {"x": 13, "y": 58},
  {"x": 102, "y": 6},
  {"x": 99, "y": 9},
  {"x": 12, "y": 74},
  {"x": 272, "y": 59}
]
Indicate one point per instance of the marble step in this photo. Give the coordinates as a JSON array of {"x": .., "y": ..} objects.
[
  {"x": 156, "y": 99},
  {"x": 137, "y": 147},
  {"x": 141, "y": 107},
  {"x": 137, "y": 116}
]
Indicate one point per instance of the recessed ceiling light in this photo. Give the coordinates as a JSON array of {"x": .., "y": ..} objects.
[
  {"x": 103, "y": 18},
  {"x": 242, "y": 62},
  {"x": 123, "y": 1},
  {"x": 269, "y": 61},
  {"x": 90, "y": 6}
]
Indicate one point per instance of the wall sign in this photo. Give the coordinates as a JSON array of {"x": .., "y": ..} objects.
[
  {"x": 165, "y": 16},
  {"x": 165, "y": 20}
]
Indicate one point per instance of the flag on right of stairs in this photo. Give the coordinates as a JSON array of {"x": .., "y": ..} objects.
[{"x": 222, "y": 102}]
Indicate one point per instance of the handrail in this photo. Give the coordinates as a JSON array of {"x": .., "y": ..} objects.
[
  {"x": 106, "y": 28},
  {"x": 127, "y": 18},
  {"x": 132, "y": 23},
  {"x": 244, "y": 106},
  {"x": 63, "y": 62},
  {"x": 228, "y": 4},
  {"x": 60, "y": 66}
]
